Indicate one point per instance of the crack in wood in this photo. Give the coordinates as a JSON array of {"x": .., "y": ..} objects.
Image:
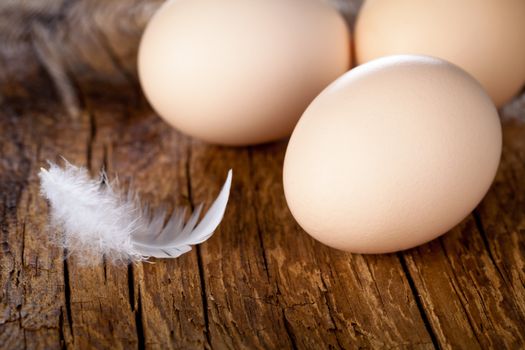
[
  {"x": 452, "y": 280},
  {"x": 139, "y": 323},
  {"x": 483, "y": 235},
  {"x": 61, "y": 335},
  {"x": 200, "y": 264},
  {"x": 287, "y": 326},
  {"x": 23, "y": 247},
  {"x": 257, "y": 223},
  {"x": 67, "y": 292},
  {"x": 105, "y": 170},
  {"x": 131, "y": 287},
  {"x": 136, "y": 310},
  {"x": 464, "y": 309},
  {"x": 324, "y": 293},
  {"x": 419, "y": 302},
  {"x": 105, "y": 269},
  {"x": 289, "y": 331}
]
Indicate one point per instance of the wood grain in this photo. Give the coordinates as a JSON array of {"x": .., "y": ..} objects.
[{"x": 260, "y": 281}]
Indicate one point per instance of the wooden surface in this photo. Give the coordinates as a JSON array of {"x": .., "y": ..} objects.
[{"x": 260, "y": 282}]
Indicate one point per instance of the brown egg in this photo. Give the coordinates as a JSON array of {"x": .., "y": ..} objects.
[
  {"x": 486, "y": 38},
  {"x": 391, "y": 155},
  {"x": 240, "y": 72}
]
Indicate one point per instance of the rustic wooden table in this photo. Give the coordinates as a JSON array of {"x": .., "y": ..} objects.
[{"x": 68, "y": 88}]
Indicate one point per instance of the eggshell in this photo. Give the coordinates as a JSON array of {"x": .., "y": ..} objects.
[
  {"x": 391, "y": 155},
  {"x": 240, "y": 72},
  {"x": 485, "y": 38}
]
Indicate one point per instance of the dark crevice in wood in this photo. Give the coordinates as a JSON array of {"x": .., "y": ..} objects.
[
  {"x": 203, "y": 295},
  {"x": 449, "y": 262},
  {"x": 200, "y": 263},
  {"x": 483, "y": 234},
  {"x": 63, "y": 344},
  {"x": 419, "y": 302},
  {"x": 484, "y": 309},
  {"x": 105, "y": 170},
  {"x": 131, "y": 288},
  {"x": 105, "y": 268},
  {"x": 261, "y": 244},
  {"x": 324, "y": 293},
  {"x": 139, "y": 323},
  {"x": 467, "y": 316},
  {"x": 23, "y": 248},
  {"x": 461, "y": 296},
  {"x": 257, "y": 223},
  {"x": 375, "y": 282},
  {"x": 67, "y": 293},
  {"x": 287, "y": 325},
  {"x": 289, "y": 331}
]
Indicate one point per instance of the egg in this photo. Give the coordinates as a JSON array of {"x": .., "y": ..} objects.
[
  {"x": 240, "y": 72},
  {"x": 485, "y": 38},
  {"x": 392, "y": 154}
]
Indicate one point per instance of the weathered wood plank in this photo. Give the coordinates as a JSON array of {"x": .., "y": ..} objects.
[
  {"x": 68, "y": 87},
  {"x": 241, "y": 300},
  {"x": 32, "y": 312}
]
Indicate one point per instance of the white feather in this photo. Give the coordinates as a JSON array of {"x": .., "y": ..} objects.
[{"x": 97, "y": 219}]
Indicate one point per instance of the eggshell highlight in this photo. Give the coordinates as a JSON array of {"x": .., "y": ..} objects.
[{"x": 391, "y": 155}]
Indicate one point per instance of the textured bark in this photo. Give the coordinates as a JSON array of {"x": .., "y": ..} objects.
[{"x": 68, "y": 88}]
